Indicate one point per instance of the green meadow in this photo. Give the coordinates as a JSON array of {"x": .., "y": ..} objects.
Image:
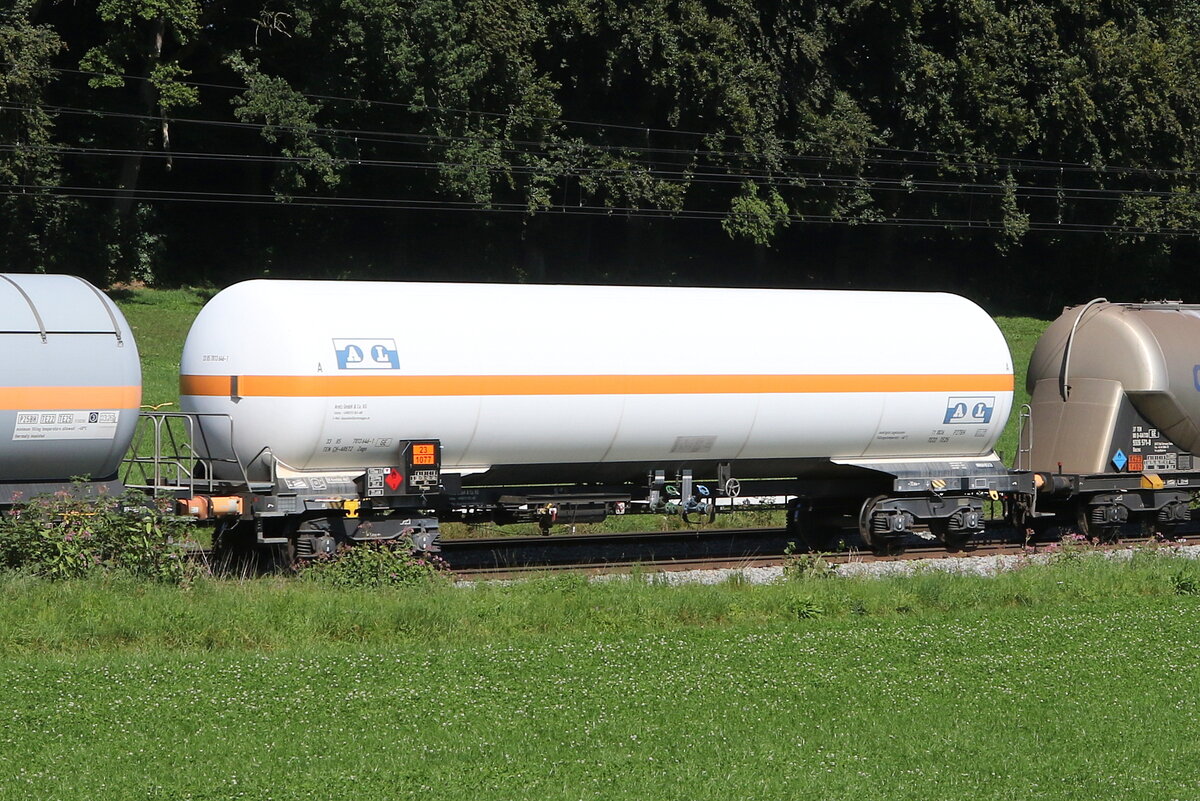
[
  {"x": 160, "y": 319},
  {"x": 1074, "y": 680}
]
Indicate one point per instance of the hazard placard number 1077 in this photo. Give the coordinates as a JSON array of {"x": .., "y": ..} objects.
[{"x": 424, "y": 454}]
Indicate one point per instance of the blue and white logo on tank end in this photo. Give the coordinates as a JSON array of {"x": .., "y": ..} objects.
[
  {"x": 366, "y": 354},
  {"x": 973, "y": 410}
]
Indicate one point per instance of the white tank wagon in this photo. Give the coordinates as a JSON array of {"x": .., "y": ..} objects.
[
  {"x": 70, "y": 384},
  {"x": 1115, "y": 419},
  {"x": 895, "y": 399}
]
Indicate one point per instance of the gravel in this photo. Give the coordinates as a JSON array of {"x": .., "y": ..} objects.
[{"x": 963, "y": 565}]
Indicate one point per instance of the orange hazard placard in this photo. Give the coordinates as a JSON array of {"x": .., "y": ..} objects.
[{"x": 424, "y": 453}]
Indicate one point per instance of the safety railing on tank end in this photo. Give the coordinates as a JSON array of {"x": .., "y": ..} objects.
[{"x": 177, "y": 453}]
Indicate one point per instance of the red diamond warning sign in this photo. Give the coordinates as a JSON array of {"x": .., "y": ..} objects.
[{"x": 394, "y": 480}]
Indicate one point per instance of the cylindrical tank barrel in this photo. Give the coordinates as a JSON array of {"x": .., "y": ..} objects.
[
  {"x": 70, "y": 380},
  {"x": 332, "y": 375}
]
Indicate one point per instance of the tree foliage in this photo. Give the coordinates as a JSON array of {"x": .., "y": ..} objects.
[
  {"x": 877, "y": 136},
  {"x": 29, "y": 216}
]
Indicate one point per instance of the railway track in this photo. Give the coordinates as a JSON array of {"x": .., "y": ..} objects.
[
  {"x": 702, "y": 549},
  {"x": 506, "y": 557},
  {"x": 730, "y": 562},
  {"x": 524, "y": 553}
]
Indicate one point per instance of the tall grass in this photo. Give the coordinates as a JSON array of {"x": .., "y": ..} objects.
[{"x": 279, "y": 614}]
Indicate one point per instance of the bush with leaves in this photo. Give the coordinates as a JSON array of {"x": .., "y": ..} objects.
[
  {"x": 66, "y": 536},
  {"x": 803, "y": 566},
  {"x": 385, "y": 564}
]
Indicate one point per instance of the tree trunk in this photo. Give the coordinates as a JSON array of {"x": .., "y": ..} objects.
[{"x": 131, "y": 165}]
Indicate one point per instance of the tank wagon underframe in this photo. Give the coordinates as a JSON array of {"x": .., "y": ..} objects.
[{"x": 310, "y": 512}]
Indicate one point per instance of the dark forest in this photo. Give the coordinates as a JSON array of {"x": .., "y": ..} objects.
[{"x": 1026, "y": 154}]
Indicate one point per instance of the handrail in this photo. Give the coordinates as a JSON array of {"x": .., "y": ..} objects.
[
  {"x": 32, "y": 307},
  {"x": 181, "y": 444},
  {"x": 104, "y": 305},
  {"x": 1024, "y": 436},
  {"x": 1063, "y": 388}
]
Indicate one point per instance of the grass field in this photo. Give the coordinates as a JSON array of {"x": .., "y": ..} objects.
[
  {"x": 1022, "y": 334},
  {"x": 160, "y": 319},
  {"x": 1074, "y": 681}
]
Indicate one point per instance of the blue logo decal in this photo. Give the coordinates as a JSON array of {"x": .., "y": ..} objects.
[
  {"x": 1119, "y": 460},
  {"x": 969, "y": 411},
  {"x": 366, "y": 354}
]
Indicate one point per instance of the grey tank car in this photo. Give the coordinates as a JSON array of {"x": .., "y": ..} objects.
[{"x": 70, "y": 385}]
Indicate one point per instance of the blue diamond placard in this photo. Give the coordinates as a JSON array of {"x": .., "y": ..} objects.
[{"x": 1120, "y": 459}]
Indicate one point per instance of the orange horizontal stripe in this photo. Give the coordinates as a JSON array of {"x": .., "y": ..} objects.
[
  {"x": 61, "y": 398},
  {"x": 346, "y": 386}
]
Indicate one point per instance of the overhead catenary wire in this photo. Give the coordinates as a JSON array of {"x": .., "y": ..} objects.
[
  {"x": 941, "y": 157},
  {"x": 370, "y": 136},
  {"x": 325, "y": 202},
  {"x": 679, "y": 175},
  {"x": 695, "y": 174},
  {"x": 640, "y": 163}
]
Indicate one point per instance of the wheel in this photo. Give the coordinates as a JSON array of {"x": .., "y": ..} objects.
[
  {"x": 864, "y": 519},
  {"x": 801, "y": 529},
  {"x": 885, "y": 545},
  {"x": 953, "y": 540},
  {"x": 1095, "y": 532},
  {"x": 309, "y": 539}
]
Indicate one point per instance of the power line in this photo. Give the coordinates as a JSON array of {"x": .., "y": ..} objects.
[
  {"x": 960, "y": 160},
  {"x": 697, "y": 174},
  {"x": 685, "y": 176},
  {"x": 315, "y": 201},
  {"x": 441, "y": 140}
]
